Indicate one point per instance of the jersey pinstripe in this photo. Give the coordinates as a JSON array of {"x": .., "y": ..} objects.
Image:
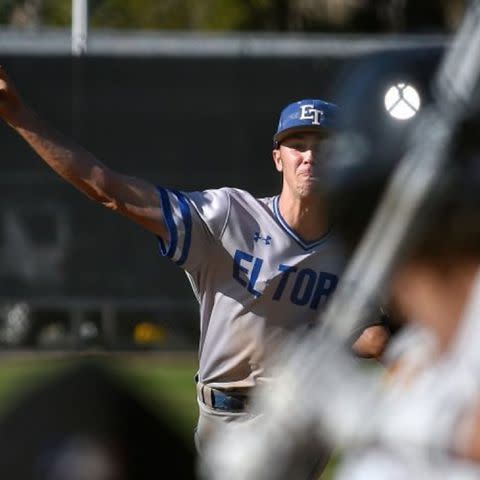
[{"x": 255, "y": 279}]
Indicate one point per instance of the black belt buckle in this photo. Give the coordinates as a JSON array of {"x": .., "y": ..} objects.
[{"x": 222, "y": 401}]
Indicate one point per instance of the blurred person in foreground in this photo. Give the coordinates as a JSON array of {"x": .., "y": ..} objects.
[
  {"x": 418, "y": 419},
  {"x": 422, "y": 420},
  {"x": 260, "y": 268}
]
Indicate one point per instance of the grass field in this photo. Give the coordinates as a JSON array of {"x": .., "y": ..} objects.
[{"x": 164, "y": 382}]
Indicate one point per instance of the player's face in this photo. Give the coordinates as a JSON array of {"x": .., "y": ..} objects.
[{"x": 299, "y": 159}]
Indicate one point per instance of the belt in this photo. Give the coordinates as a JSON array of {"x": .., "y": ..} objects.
[{"x": 220, "y": 400}]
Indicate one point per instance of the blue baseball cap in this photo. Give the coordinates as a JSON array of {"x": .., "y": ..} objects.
[{"x": 306, "y": 116}]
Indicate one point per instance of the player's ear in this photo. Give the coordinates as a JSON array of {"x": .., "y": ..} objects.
[{"x": 277, "y": 160}]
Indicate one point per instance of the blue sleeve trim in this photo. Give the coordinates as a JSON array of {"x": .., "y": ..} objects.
[
  {"x": 187, "y": 220},
  {"x": 168, "y": 217}
]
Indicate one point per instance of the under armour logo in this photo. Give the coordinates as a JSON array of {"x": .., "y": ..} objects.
[
  {"x": 310, "y": 113},
  {"x": 267, "y": 239}
]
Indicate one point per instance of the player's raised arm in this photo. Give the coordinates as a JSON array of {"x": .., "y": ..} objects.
[{"x": 134, "y": 198}]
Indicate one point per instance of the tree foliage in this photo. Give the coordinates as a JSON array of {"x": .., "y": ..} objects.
[
  {"x": 222, "y": 15},
  {"x": 243, "y": 15}
]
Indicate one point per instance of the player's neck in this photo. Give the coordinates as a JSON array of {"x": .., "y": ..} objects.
[{"x": 307, "y": 216}]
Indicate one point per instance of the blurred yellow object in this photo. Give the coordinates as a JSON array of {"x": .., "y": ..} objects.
[{"x": 147, "y": 332}]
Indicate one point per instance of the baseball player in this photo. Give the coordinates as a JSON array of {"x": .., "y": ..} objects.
[{"x": 259, "y": 267}]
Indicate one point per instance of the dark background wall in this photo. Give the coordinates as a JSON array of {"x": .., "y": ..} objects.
[{"x": 188, "y": 123}]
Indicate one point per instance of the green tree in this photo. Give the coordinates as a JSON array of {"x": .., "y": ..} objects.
[
  {"x": 189, "y": 14},
  {"x": 244, "y": 15}
]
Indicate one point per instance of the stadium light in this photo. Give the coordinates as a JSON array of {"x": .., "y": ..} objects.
[{"x": 402, "y": 101}]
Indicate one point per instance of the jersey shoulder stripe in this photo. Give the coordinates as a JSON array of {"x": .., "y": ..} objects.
[
  {"x": 187, "y": 221},
  {"x": 195, "y": 222},
  {"x": 170, "y": 224},
  {"x": 178, "y": 255}
]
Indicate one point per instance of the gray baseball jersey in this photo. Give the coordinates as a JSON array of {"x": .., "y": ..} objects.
[{"x": 255, "y": 279}]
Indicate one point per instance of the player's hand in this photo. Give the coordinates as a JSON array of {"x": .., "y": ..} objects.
[{"x": 10, "y": 101}]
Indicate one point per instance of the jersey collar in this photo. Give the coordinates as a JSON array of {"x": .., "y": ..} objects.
[{"x": 303, "y": 243}]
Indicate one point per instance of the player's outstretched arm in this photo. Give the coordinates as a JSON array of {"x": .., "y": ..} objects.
[{"x": 134, "y": 198}]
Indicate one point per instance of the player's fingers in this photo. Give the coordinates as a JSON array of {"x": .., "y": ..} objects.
[
  {"x": 3, "y": 82},
  {"x": 9, "y": 98},
  {"x": 4, "y": 79},
  {"x": 11, "y": 104}
]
